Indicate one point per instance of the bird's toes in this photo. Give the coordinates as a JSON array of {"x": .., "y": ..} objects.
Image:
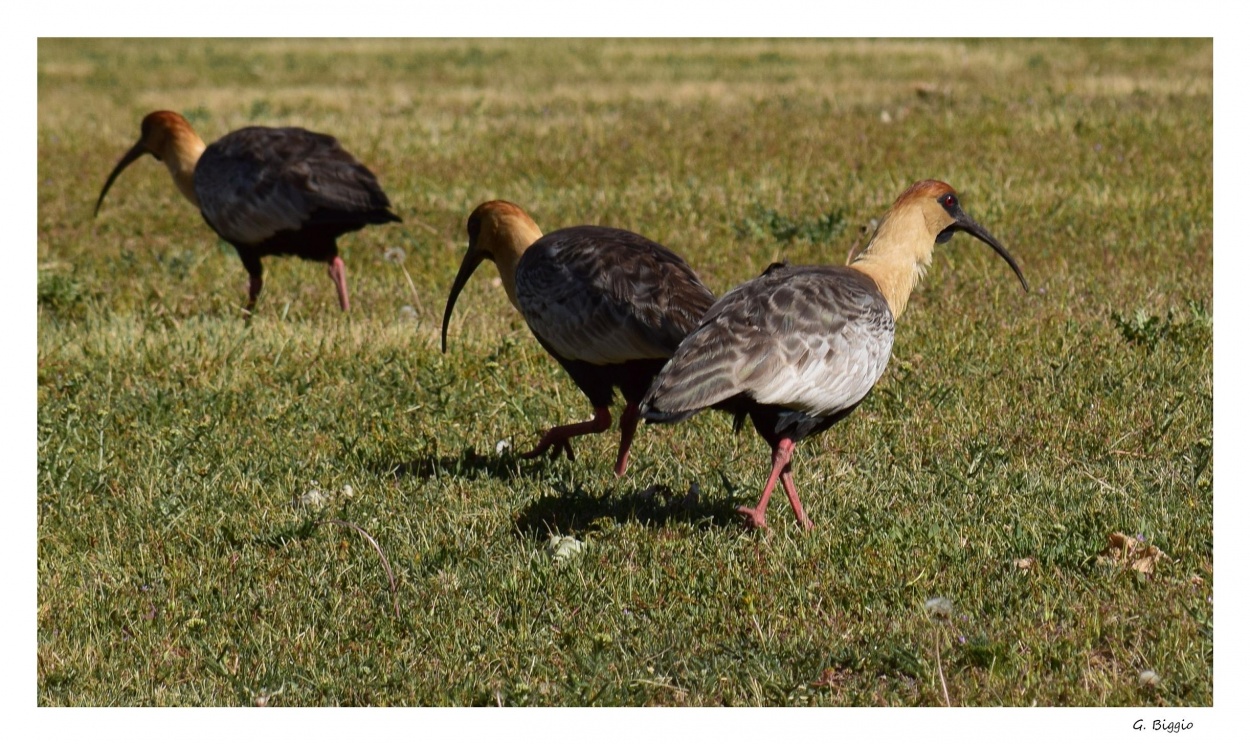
[
  {"x": 755, "y": 519},
  {"x": 540, "y": 448}
]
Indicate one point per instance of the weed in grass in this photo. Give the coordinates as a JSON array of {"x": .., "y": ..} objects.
[
  {"x": 1148, "y": 330},
  {"x": 60, "y": 293}
]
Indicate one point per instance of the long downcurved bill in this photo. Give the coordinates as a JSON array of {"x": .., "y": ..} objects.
[
  {"x": 134, "y": 154},
  {"x": 472, "y": 259},
  {"x": 967, "y": 224}
]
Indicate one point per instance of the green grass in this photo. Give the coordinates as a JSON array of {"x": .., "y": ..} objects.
[{"x": 174, "y": 439}]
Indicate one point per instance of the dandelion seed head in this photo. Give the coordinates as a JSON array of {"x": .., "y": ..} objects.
[
  {"x": 395, "y": 254},
  {"x": 939, "y": 607},
  {"x": 1149, "y": 678}
]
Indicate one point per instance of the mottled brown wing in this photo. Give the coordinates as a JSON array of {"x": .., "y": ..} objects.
[
  {"x": 259, "y": 181},
  {"x": 810, "y": 338},
  {"x": 604, "y": 296}
]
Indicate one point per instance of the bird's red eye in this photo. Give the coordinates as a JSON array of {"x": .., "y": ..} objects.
[{"x": 948, "y": 200}]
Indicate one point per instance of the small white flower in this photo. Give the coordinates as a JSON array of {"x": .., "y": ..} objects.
[
  {"x": 395, "y": 254},
  {"x": 347, "y": 491},
  {"x": 408, "y": 312},
  {"x": 313, "y": 498},
  {"x": 502, "y": 445},
  {"x": 1149, "y": 678},
  {"x": 563, "y": 548},
  {"x": 939, "y": 607}
]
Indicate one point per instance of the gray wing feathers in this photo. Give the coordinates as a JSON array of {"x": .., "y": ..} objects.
[
  {"x": 605, "y": 296},
  {"x": 244, "y": 204},
  {"x": 258, "y": 181},
  {"x": 814, "y": 339}
]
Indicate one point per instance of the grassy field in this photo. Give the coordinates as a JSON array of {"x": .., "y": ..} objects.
[{"x": 183, "y": 559}]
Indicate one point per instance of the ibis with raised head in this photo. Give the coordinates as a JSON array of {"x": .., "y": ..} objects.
[
  {"x": 267, "y": 191},
  {"x": 610, "y": 305},
  {"x": 799, "y": 347}
]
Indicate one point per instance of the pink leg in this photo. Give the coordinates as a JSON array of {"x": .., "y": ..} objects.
[
  {"x": 781, "y": 459},
  {"x": 787, "y": 482},
  {"x": 254, "y": 284},
  {"x": 559, "y": 436},
  {"x": 338, "y": 273},
  {"x": 629, "y": 424}
]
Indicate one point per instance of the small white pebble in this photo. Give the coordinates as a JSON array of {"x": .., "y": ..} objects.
[{"x": 347, "y": 491}]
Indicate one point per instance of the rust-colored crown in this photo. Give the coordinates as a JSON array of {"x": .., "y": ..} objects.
[{"x": 928, "y": 189}]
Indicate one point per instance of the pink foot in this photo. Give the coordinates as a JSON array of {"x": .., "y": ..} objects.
[
  {"x": 548, "y": 442},
  {"x": 755, "y": 517},
  {"x": 781, "y": 470},
  {"x": 559, "y": 436}
]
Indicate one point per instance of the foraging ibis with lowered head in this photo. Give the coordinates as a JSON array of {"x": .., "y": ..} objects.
[
  {"x": 608, "y": 304},
  {"x": 267, "y": 191},
  {"x": 797, "y": 348}
]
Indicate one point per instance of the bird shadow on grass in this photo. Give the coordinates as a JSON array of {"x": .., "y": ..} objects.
[
  {"x": 574, "y": 510},
  {"x": 468, "y": 465}
]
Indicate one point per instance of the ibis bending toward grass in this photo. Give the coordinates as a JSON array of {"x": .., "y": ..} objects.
[
  {"x": 797, "y": 348},
  {"x": 608, "y": 304},
  {"x": 267, "y": 191}
]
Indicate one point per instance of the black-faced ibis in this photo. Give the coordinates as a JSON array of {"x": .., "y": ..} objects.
[
  {"x": 797, "y": 348},
  {"x": 608, "y": 304},
  {"x": 267, "y": 191}
]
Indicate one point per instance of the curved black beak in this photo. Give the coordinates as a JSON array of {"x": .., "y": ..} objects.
[
  {"x": 134, "y": 154},
  {"x": 966, "y": 224},
  {"x": 472, "y": 259}
]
